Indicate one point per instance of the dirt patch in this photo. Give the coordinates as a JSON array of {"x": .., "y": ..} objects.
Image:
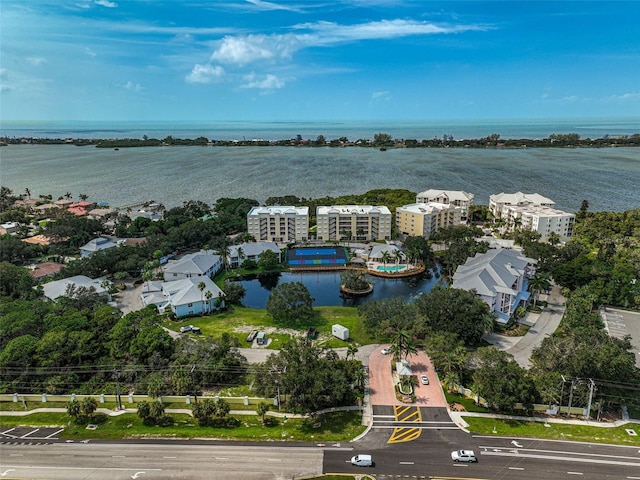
[{"x": 268, "y": 330}]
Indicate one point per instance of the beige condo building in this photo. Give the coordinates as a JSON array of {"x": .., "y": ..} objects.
[
  {"x": 279, "y": 224},
  {"x": 359, "y": 222},
  {"x": 458, "y": 198},
  {"x": 424, "y": 219}
]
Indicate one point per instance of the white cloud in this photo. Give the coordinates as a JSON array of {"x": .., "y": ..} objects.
[
  {"x": 35, "y": 61},
  {"x": 264, "y": 6},
  {"x": 242, "y": 50},
  {"x": 205, "y": 74},
  {"x": 89, "y": 52},
  {"x": 136, "y": 87},
  {"x": 269, "y": 82},
  {"x": 329, "y": 32},
  {"x": 384, "y": 94},
  {"x": 106, "y": 3},
  {"x": 626, "y": 97}
]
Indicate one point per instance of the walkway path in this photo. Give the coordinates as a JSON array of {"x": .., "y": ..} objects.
[{"x": 541, "y": 326}]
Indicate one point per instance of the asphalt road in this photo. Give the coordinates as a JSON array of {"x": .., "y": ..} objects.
[
  {"x": 124, "y": 461},
  {"x": 499, "y": 459}
]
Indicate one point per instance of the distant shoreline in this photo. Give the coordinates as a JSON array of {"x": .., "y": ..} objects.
[{"x": 381, "y": 141}]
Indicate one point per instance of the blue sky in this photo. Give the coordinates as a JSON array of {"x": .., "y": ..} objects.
[{"x": 288, "y": 60}]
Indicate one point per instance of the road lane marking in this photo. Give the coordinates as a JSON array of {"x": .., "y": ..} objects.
[
  {"x": 30, "y": 433},
  {"x": 221, "y": 458},
  {"x": 55, "y": 433},
  {"x": 516, "y": 468},
  {"x": 120, "y": 469},
  {"x": 558, "y": 452},
  {"x": 407, "y": 463},
  {"x": 118, "y": 456},
  {"x": 635, "y": 463},
  {"x": 169, "y": 457},
  {"x": 575, "y": 473}
]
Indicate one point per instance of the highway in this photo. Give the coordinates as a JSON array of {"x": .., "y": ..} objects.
[{"x": 427, "y": 457}]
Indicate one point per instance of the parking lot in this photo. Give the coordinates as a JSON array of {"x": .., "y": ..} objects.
[
  {"x": 22, "y": 434},
  {"x": 623, "y": 322}
]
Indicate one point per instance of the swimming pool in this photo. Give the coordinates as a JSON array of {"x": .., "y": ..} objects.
[{"x": 394, "y": 268}]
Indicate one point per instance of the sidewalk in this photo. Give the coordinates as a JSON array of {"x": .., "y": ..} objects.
[
  {"x": 116, "y": 413},
  {"x": 458, "y": 418}
]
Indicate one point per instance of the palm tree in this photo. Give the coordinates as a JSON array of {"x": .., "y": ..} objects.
[
  {"x": 27, "y": 192},
  {"x": 201, "y": 287},
  {"x": 83, "y": 196},
  {"x": 147, "y": 275},
  {"x": 67, "y": 195},
  {"x": 386, "y": 256},
  {"x": 553, "y": 238},
  {"x": 240, "y": 255},
  {"x": 351, "y": 351},
  {"x": 540, "y": 282},
  {"x": 360, "y": 378},
  {"x": 208, "y": 295},
  {"x": 225, "y": 252}
]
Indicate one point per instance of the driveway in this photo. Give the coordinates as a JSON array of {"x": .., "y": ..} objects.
[
  {"x": 130, "y": 299},
  {"x": 381, "y": 385},
  {"x": 541, "y": 327}
]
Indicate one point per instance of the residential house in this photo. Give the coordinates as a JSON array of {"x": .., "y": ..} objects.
[
  {"x": 251, "y": 251},
  {"x": 96, "y": 245},
  {"x": 184, "y": 297},
  {"x": 360, "y": 222},
  {"x": 499, "y": 277},
  {"x": 9, "y": 228},
  {"x": 279, "y": 224},
  {"x": 59, "y": 288},
  {"x": 43, "y": 270},
  {"x": 199, "y": 264},
  {"x": 80, "y": 208},
  {"x": 425, "y": 219}
]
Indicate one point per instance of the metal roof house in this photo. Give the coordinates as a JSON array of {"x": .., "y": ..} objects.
[{"x": 499, "y": 277}]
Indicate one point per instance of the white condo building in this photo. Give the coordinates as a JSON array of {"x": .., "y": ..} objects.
[
  {"x": 499, "y": 202},
  {"x": 424, "y": 219},
  {"x": 457, "y": 198},
  {"x": 533, "y": 212},
  {"x": 278, "y": 224},
  {"x": 360, "y": 222}
]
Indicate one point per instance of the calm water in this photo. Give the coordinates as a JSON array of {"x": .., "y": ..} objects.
[
  {"x": 608, "y": 178},
  {"x": 325, "y": 288}
]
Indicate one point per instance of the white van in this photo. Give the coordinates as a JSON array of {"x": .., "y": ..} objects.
[{"x": 362, "y": 461}]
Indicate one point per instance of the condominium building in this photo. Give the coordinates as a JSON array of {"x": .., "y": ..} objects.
[
  {"x": 424, "y": 219},
  {"x": 533, "y": 212},
  {"x": 543, "y": 220},
  {"x": 278, "y": 224},
  {"x": 360, "y": 222},
  {"x": 458, "y": 198},
  {"x": 498, "y": 203}
]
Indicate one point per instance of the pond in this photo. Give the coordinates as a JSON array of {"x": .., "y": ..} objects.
[{"x": 325, "y": 287}]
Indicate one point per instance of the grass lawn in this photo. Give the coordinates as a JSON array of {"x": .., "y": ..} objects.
[
  {"x": 337, "y": 426},
  {"x": 239, "y": 321},
  {"x": 555, "y": 431},
  {"x": 467, "y": 403}
]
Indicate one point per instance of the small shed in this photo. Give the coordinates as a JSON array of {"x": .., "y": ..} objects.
[
  {"x": 403, "y": 369},
  {"x": 340, "y": 332}
]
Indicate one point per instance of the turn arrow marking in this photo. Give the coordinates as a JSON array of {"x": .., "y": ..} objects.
[
  {"x": 516, "y": 444},
  {"x": 136, "y": 475},
  {"x": 6, "y": 472}
]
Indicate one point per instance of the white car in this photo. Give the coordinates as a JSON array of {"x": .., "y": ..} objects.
[
  {"x": 424, "y": 379},
  {"x": 384, "y": 351},
  {"x": 362, "y": 461},
  {"x": 463, "y": 456},
  {"x": 186, "y": 328}
]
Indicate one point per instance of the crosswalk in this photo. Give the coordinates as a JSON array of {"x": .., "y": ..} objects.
[{"x": 408, "y": 422}]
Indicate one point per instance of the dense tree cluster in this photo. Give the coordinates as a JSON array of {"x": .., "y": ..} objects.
[
  {"x": 72, "y": 347},
  {"x": 309, "y": 378}
]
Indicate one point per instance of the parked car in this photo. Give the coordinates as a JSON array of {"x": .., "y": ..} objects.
[
  {"x": 196, "y": 330},
  {"x": 463, "y": 456},
  {"x": 424, "y": 379},
  {"x": 186, "y": 328},
  {"x": 362, "y": 461},
  {"x": 252, "y": 336},
  {"x": 384, "y": 351}
]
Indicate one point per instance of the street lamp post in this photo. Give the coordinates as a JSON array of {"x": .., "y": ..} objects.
[{"x": 193, "y": 384}]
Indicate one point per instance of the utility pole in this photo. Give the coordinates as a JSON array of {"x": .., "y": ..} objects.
[
  {"x": 116, "y": 373},
  {"x": 591, "y": 389},
  {"x": 193, "y": 384},
  {"x": 561, "y": 394},
  {"x": 570, "y": 398}
]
